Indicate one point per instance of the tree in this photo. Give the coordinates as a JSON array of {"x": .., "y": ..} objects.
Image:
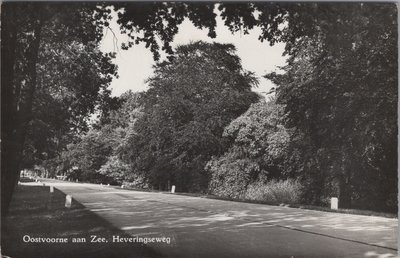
[
  {"x": 341, "y": 95},
  {"x": 32, "y": 43},
  {"x": 190, "y": 100},
  {"x": 157, "y": 23},
  {"x": 97, "y": 152},
  {"x": 71, "y": 95},
  {"x": 258, "y": 151}
]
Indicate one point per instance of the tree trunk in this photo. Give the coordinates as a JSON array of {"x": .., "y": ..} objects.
[
  {"x": 344, "y": 194},
  {"x": 8, "y": 107},
  {"x": 344, "y": 182}
]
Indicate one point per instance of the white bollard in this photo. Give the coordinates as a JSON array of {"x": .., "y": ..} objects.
[
  {"x": 122, "y": 186},
  {"x": 334, "y": 203},
  {"x": 68, "y": 201},
  {"x": 108, "y": 185},
  {"x": 173, "y": 189},
  {"x": 51, "y": 189},
  {"x": 77, "y": 180}
]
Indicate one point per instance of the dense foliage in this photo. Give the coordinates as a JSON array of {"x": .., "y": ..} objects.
[
  {"x": 340, "y": 92},
  {"x": 258, "y": 152},
  {"x": 183, "y": 114},
  {"x": 189, "y": 102},
  {"x": 70, "y": 94},
  {"x": 95, "y": 157},
  {"x": 53, "y": 77}
]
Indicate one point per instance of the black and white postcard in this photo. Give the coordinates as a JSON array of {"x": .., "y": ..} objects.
[{"x": 199, "y": 129}]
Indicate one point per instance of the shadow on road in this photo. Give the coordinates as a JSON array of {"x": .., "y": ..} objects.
[{"x": 38, "y": 215}]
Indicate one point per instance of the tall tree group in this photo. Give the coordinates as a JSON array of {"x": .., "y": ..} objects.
[
  {"x": 336, "y": 99},
  {"x": 53, "y": 77},
  {"x": 340, "y": 92},
  {"x": 189, "y": 102}
]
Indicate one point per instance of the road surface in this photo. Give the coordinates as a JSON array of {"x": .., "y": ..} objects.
[{"x": 201, "y": 227}]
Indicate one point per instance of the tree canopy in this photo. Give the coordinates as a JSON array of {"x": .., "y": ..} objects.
[
  {"x": 340, "y": 92},
  {"x": 96, "y": 155},
  {"x": 189, "y": 101},
  {"x": 257, "y": 153},
  {"x": 50, "y": 61}
]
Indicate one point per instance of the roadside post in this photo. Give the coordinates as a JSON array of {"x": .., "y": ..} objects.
[
  {"x": 68, "y": 201},
  {"x": 51, "y": 189},
  {"x": 334, "y": 203},
  {"x": 173, "y": 189}
]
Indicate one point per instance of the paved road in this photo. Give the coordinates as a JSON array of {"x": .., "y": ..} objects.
[{"x": 200, "y": 227}]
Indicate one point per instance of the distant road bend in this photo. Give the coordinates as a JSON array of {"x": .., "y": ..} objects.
[{"x": 200, "y": 227}]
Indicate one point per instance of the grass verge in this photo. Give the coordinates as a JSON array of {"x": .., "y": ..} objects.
[{"x": 36, "y": 213}]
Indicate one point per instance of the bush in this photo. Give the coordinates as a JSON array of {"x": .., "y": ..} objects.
[
  {"x": 230, "y": 177},
  {"x": 284, "y": 191},
  {"x": 136, "y": 181}
]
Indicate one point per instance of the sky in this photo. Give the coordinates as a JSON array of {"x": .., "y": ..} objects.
[{"x": 135, "y": 64}]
